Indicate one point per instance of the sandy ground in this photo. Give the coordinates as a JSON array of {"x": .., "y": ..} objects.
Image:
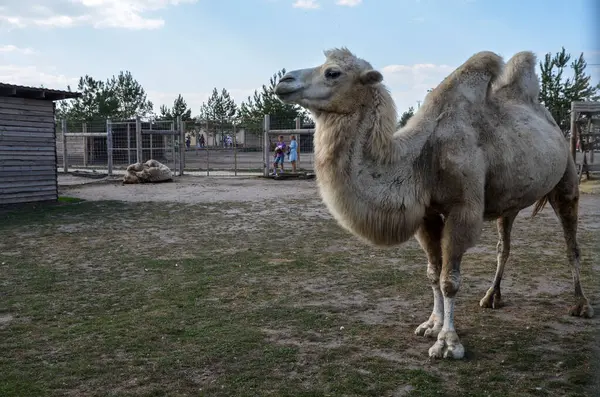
[{"x": 192, "y": 190}]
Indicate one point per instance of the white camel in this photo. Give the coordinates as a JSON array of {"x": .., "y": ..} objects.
[
  {"x": 151, "y": 171},
  {"x": 480, "y": 148}
]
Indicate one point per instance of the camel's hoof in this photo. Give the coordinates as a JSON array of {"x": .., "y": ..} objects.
[
  {"x": 429, "y": 329},
  {"x": 447, "y": 346},
  {"x": 491, "y": 300},
  {"x": 582, "y": 309}
]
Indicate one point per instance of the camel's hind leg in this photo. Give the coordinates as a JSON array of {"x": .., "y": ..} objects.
[
  {"x": 429, "y": 237},
  {"x": 564, "y": 199},
  {"x": 493, "y": 297}
]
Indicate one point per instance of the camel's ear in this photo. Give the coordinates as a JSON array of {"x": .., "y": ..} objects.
[{"x": 370, "y": 77}]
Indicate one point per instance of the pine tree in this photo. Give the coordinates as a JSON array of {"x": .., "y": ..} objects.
[
  {"x": 219, "y": 113},
  {"x": 179, "y": 109},
  {"x": 120, "y": 97},
  {"x": 406, "y": 116},
  {"x": 558, "y": 91},
  {"x": 282, "y": 115}
]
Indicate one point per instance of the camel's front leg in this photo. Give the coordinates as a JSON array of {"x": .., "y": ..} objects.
[
  {"x": 429, "y": 237},
  {"x": 448, "y": 344},
  {"x": 461, "y": 231},
  {"x": 433, "y": 325}
]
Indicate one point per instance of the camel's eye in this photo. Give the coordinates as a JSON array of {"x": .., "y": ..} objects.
[{"x": 332, "y": 74}]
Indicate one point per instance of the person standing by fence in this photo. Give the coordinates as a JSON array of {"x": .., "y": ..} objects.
[
  {"x": 293, "y": 153},
  {"x": 279, "y": 154}
]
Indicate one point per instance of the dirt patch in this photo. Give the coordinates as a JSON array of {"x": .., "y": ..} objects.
[
  {"x": 192, "y": 190},
  {"x": 591, "y": 186},
  {"x": 5, "y": 320}
]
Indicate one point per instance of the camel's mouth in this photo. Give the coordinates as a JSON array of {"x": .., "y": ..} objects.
[
  {"x": 289, "y": 87},
  {"x": 286, "y": 87},
  {"x": 286, "y": 93}
]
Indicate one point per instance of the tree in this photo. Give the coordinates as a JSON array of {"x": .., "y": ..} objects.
[
  {"x": 406, "y": 116},
  {"x": 219, "y": 112},
  {"x": 283, "y": 115},
  {"x": 120, "y": 97},
  {"x": 558, "y": 91},
  {"x": 179, "y": 109},
  {"x": 97, "y": 101},
  {"x": 130, "y": 95}
]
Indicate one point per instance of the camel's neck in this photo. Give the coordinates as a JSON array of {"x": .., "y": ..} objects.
[
  {"x": 367, "y": 172},
  {"x": 374, "y": 127}
]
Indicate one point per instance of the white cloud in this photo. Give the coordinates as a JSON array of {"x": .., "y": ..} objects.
[
  {"x": 409, "y": 83},
  {"x": 125, "y": 14},
  {"x": 34, "y": 76},
  {"x": 306, "y": 4},
  {"x": 9, "y": 48},
  {"x": 348, "y": 3}
]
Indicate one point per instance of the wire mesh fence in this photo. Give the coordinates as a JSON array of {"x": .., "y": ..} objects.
[
  {"x": 195, "y": 147},
  {"x": 82, "y": 144},
  {"x": 108, "y": 146},
  {"x": 215, "y": 148},
  {"x": 288, "y": 129}
]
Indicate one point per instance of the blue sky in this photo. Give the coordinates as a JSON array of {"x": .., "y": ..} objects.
[{"x": 191, "y": 46}]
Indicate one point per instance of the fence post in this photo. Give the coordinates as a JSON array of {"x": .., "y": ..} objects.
[
  {"x": 207, "y": 160},
  {"x": 63, "y": 127},
  {"x": 235, "y": 165},
  {"x": 181, "y": 144},
  {"x": 266, "y": 147},
  {"x": 86, "y": 146},
  {"x": 298, "y": 128},
  {"x": 109, "y": 146},
  {"x": 138, "y": 139},
  {"x": 574, "y": 134},
  {"x": 128, "y": 143}
]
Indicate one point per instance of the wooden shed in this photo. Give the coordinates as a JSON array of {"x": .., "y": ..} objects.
[{"x": 28, "y": 143}]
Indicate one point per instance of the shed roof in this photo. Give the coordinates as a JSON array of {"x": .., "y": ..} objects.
[{"x": 22, "y": 91}]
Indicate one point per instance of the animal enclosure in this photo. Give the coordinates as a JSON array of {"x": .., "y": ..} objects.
[
  {"x": 105, "y": 145},
  {"x": 226, "y": 149}
]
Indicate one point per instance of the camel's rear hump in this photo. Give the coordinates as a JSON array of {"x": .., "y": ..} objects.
[
  {"x": 470, "y": 81},
  {"x": 519, "y": 80}
]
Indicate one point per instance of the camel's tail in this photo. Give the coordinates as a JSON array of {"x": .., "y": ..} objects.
[
  {"x": 519, "y": 80},
  {"x": 470, "y": 81},
  {"x": 539, "y": 205}
]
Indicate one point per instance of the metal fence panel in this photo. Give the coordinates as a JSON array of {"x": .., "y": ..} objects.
[
  {"x": 110, "y": 146},
  {"x": 198, "y": 148}
]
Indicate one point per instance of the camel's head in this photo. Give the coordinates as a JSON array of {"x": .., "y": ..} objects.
[{"x": 339, "y": 85}]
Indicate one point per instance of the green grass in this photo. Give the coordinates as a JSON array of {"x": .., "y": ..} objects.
[
  {"x": 66, "y": 199},
  {"x": 152, "y": 299}
]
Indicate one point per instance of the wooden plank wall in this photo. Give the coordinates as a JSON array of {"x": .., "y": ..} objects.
[{"x": 27, "y": 151}]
